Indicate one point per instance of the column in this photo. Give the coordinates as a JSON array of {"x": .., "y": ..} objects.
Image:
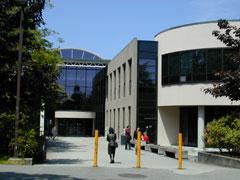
[{"x": 201, "y": 119}]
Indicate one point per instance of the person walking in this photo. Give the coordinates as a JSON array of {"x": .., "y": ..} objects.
[
  {"x": 128, "y": 138},
  {"x": 112, "y": 144}
]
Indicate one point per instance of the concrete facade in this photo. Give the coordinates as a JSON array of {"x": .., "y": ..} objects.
[
  {"x": 172, "y": 97},
  {"x": 121, "y": 94}
]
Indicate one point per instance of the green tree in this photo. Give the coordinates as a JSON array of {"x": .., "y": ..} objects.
[
  {"x": 229, "y": 84},
  {"x": 39, "y": 65}
]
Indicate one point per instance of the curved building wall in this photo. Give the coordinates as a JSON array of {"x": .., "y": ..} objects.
[
  {"x": 182, "y": 103},
  {"x": 190, "y": 37}
]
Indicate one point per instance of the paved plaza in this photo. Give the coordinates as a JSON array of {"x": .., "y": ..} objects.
[{"x": 72, "y": 158}]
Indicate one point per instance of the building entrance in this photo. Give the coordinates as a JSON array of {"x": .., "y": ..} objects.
[
  {"x": 188, "y": 125},
  {"x": 75, "y": 127}
]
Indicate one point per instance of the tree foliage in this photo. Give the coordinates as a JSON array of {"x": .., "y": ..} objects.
[
  {"x": 39, "y": 66},
  {"x": 229, "y": 84},
  {"x": 223, "y": 133}
]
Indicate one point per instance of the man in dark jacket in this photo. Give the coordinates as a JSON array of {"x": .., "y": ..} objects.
[{"x": 128, "y": 138}]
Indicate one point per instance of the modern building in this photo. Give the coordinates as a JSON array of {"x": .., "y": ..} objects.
[
  {"x": 157, "y": 86},
  {"x": 82, "y": 77},
  {"x": 168, "y": 76},
  {"x": 131, "y": 97}
]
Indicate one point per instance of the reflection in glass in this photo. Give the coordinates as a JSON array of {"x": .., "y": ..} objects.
[{"x": 195, "y": 65}]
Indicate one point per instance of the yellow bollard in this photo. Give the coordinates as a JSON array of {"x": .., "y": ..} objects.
[
  {"x": 95, "y": 149},
  {"x": 180, "y": 151},
  {"x": 139, "y": 149}
]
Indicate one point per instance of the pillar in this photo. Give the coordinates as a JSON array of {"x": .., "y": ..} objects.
[{"x": 201, "y": 119}]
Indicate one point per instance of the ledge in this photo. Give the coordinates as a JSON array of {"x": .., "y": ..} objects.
[
  {"x": 217, "y": 159},
  {"x": 20, "y": 161}
]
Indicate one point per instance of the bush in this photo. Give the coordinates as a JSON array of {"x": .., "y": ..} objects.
[
  {"x": 26, "y": 143},
  {"x": 223, "y": 133},
  {"x": 7, "y": 131}
]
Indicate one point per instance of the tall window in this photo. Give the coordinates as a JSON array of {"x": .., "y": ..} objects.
[
  {"x": 107, "y": 87},
  {"x": 119, "y": 82},
  {"x": 129, "y": 115},
  {"x": 115, "y": 84},
  {"x": 110, "y": 119},
  {"x": 124, "y": 80},
  {"x": 123, "y": 117},
  {"x": 130, "y": 75},
  {"x": 114, "y": 119},
  {"x": 111, "y": 86},
  {"x": 118, "y": 122},
  {"x": 107, "y": 119}
]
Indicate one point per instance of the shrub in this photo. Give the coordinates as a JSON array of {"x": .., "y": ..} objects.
[
  {"x": 7, "y": 131},
  {"x": 223, "y": 133}
]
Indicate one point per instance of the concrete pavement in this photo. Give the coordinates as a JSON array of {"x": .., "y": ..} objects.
[
  {"x": 75, "y": 151},
  {"x": 72, "y": 158}
]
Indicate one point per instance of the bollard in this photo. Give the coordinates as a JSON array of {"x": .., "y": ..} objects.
[
  {"x": 180, "y": 151},
  {"x": 95, "y": 149},
  {"x": 139, "y": 149}
]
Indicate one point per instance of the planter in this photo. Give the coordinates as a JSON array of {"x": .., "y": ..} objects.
[
  {"x": 217, "y": 159},
  {"x": 20, "y": 161}
]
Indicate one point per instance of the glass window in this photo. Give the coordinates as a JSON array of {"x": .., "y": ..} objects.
[
  {"x": 214, "y": 63},
  {"x": 173, "y": 68},
  {"x": 90, "y": 76},
  {"x": 81, "y": 77},
  {"x": 77, "y": 54},
  {"x": 66, "y": 53},
  {"x": 148, "y": 62},
  {"x": 147, "y": 55},
  {"x": 186, "y": 59},
  {"x": 199, "y": 65},
  {"x": 228, "y": 55},
  {"x": 87, "y": 55},
  {"x": 164, "y": 69},
  {"x": 71, "y": 76},
  {"x": 148, "y": 46}
]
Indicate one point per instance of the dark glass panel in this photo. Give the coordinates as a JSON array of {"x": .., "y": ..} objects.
[
  {"x": 186, "y": 59},
  {"x": 148, "y": 46},
  {"x": 173, "y": 68},
  {"x": 148, "y": 62},
  {"x": 214, "y": 63},
  {"x": 88, "y": 55},
  {"x": 81, "y": 77},
  {"x": 90, "y": 76},
  {"x": 199, "y": 65},
  {"x": 77, "y": 54},
  {"x": 147, "y": 55},
  {"x": 71, "y": 76},
  {"x": 228, "y": 56},
  {"x": 66, "y": 53}
]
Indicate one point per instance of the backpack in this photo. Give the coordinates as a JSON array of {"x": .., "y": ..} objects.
[{"x": 112, "y": 139}]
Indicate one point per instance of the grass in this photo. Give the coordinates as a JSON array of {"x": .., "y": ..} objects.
[{"x": 4, "y": 159}]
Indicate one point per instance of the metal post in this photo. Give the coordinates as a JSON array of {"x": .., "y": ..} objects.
[
  {"x": 95, "y": 149},
  {"x": 19, "y": 68},
  {"x": 139, "y": 149},
  {"x": 180, "y": 151}
]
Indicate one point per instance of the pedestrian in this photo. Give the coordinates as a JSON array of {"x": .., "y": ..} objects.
[
  {"x": 128, "y": 138},
  {"x": 145, "y": 137},
  {"x": 135, "y": 136},
  {"x": 112, "y": 144}
]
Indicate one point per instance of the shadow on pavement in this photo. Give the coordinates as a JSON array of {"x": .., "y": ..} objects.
[
  {"x": 66, "y": 161},
  {"x": 13, "y": 175},
  {"x": 62, "y": 146}
]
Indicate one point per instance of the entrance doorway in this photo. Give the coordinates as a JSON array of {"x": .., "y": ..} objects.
[
  {"x": 75, "y": 127},
  {"x": 188, "y": 125}
]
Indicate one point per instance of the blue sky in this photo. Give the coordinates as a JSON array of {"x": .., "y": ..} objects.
[{"x": 106, "y": 26}]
